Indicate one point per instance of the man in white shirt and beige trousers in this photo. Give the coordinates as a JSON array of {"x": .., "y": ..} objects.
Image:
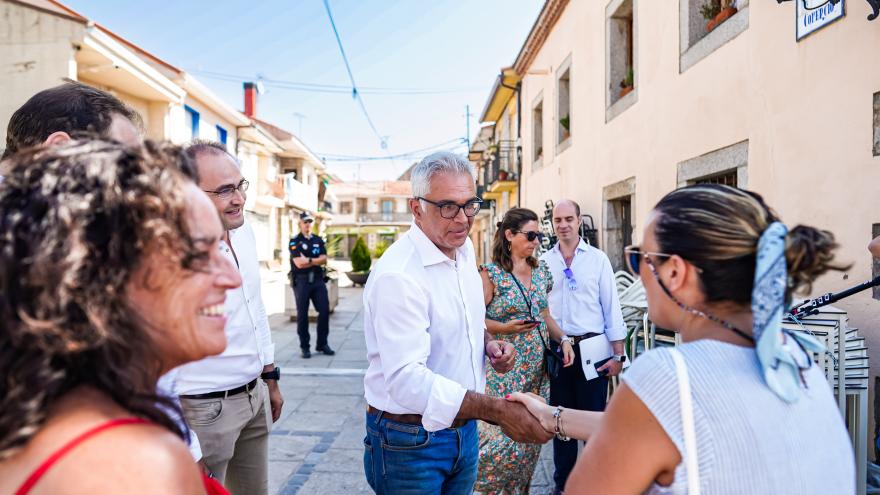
[
  {"x": 424, "y": 324},
  {"x": 231, "y": 400}
]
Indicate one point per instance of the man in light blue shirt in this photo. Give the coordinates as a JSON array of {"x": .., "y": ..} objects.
[{"x": 584, "y": 302}]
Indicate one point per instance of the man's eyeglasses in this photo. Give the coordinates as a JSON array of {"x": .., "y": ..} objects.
[
  {"x": 449, "y": 210},
  {"x": 634, "y": 257},
  {"x": 569, "y": 276},
  {"x": 531, "y": 236},
  {"x": 226, "y": 192}
]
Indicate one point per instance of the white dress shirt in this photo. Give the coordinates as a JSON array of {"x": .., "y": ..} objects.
[
  {"x": 167, "y": 387},
  {"x": 424, "y": 323},
  {"x": 594, "y": 305},
  {"x": 249, "y": 344}
]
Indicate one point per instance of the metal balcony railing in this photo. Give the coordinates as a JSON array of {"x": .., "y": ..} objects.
[
  {"x": 379, "y": 217},
  {"x": 503, "y": 164}
]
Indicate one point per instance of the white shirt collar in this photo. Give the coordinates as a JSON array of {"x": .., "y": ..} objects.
[
  {"x": 582, "y": 246},
  {"x": 429, "y": 253}
]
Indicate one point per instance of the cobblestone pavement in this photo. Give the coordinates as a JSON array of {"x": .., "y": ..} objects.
[{"x": 316, "y": 447}]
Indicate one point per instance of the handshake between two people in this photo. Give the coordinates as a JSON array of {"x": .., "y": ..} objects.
[
  {"x": 514, "y": 415},
  {"x": 572, "y": 423}
]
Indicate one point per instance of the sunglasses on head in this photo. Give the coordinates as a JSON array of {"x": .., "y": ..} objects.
[
  {"x": 634, "y": 256},
  {"x": 531, "y": 236}
]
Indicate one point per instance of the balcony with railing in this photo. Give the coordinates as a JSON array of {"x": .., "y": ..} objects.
[
  {"x": 499, "y": 171},
  {"x": 385, "y": 217},
  {"x": 299, "y": 195}
]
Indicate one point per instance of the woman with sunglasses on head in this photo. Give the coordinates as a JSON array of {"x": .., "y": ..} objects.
[
  {"x": 739, "y": 407},
  {"x": 515, "y": 288}
]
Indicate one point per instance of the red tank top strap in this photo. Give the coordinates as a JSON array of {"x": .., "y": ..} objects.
[
  {"x": 213, "y": 487},
  {"x": 52, "y": 459}
]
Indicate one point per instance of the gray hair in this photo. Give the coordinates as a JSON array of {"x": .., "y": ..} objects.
[{"x": 436, "y": 163}]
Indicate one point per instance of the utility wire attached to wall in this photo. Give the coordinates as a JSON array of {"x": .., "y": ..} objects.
[
  {"x": 336, "y": 88},
  {"x": 383, "y": 142},
  {"x": 452, "y": 144}
]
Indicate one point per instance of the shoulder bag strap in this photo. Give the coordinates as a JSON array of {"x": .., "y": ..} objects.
[
  {"x": 528, "y": 301},
  {"x": 691, "y": 456}
]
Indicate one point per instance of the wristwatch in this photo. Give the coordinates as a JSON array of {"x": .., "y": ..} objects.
[
  {"x": 565, "y": 339},
  {"x": 272, "y": 375},
  {"x": 619, "y": 358}
]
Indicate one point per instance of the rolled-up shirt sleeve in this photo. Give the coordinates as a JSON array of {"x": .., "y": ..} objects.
[
  {"x": 399, "y": 313},
  {"x": 615, "y": 328}
]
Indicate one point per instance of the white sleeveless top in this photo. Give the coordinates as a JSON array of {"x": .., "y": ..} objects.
[{"x": 748, "y": 439}]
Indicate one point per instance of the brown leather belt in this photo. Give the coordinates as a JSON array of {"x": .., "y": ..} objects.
[
  {"x": 409, "y": 419},
  {"x": 575, "y": 339}
]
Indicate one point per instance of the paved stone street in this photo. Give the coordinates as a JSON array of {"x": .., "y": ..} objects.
[{"x": 316, "y": 446}]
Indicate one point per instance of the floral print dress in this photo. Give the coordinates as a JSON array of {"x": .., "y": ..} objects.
[{"x": 507, "y": 466}]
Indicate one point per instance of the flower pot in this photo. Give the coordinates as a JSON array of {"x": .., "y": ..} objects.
[
  {"x": 726, "y": 13},
  {"x": 626, "y": 90},
  {"x": 722, "y": 16},
  {"x": 358, "y": 278},
  {"x": 502, "y": 175}
]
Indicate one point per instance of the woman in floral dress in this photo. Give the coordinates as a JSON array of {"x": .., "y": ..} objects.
[{"x": 515, "y": 287}]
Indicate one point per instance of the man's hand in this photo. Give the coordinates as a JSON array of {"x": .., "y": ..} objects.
[
  {"x": 612, "y": 366},
  {"x": 518, "y": 423},
  {"x": 502, "y": 355},
  {"x": 538, "y": 407},
  {"x": 301, "y": 261},
  {"x": 874, "y": 247},
  {"x": 275, "y": 399}
]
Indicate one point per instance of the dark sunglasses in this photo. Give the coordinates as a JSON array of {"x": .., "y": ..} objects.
[
  {"x": 531, "y": 235},
  {"x": 634, "y": 257},
  {"x": 569, "y": 275}
]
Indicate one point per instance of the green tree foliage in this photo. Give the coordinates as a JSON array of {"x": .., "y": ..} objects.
[
  {"x": 379, "y": 250},
  {"x": 360, "y": 256}
]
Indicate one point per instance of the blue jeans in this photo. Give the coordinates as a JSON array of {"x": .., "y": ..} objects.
[{"x": 407, "y": 460}]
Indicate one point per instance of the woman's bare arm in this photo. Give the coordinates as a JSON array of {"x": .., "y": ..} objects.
[{"x": 628, "y": 452}]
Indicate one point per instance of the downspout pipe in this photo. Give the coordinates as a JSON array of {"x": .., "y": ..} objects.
[{"x": 517, "y": 89}]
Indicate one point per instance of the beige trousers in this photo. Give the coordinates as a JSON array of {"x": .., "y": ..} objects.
[{"x": 234, "y": 437}]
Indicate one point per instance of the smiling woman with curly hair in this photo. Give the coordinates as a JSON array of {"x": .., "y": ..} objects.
[{"x": 110, "y": 275}]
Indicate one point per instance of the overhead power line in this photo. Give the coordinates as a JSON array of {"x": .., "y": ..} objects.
[
  {"x": 354, "y": 90},
  {"x": 330, "y": 157},
  {"x": 334, "y": 88}
]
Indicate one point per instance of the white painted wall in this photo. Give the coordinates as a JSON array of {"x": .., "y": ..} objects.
[{"x": 36, "y": 53}]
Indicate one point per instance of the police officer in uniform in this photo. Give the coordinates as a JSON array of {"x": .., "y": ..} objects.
[{"x": 308, "y": 255}]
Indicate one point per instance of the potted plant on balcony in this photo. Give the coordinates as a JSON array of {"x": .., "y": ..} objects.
[
  {"x": 502, "y": 175},
  {"x": 360, "y": 263},
  {"x": 716, "y": 12},
  {"x": 565, "y": 122},
  {"x": 628, "y": 82}
]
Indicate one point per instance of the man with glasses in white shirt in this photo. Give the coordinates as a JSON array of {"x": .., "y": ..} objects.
[
  {"x": 424, "y": 324},
  {"x": 585, "y": 304},
  {"x": 231, "y": 400}
]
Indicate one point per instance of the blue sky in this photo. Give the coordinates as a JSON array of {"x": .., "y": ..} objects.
[{"x": 453, "y": 45}]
